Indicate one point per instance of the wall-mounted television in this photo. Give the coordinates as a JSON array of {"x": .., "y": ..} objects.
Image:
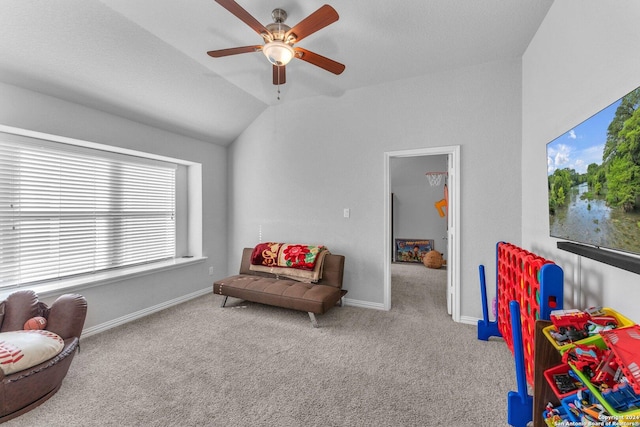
[{"x": 593, "y": 177}]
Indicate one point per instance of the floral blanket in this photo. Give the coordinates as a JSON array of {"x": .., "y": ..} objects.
[
  {"x": 298, "y": 262},
  {"x": 288, "y": 255}
]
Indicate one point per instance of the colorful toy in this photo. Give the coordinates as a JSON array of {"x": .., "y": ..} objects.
[
  {"x": 554, "y": 416},
  {"x": 593, "y": 413},
  {"x": 586, "y": 409},
  {"x": 609, "y": 370},
  {"x": 585, "y": 358},
  {"x": 582, "y": 321},
  {"x": 571, "y": 324},
  {"x": 625, "y": 344},
  {"x": 35, "y": 323},
  {"x": 565, "y": 383},
  {"x": 433, "y": 259},
  {"x": 536, "y": 285},
  {"x": 435, "y": 178},
  {"x": 441, "y": 205},
  {"x": 622, "y": 397},
  {"x": 575, "y": 325},
  {"x": 520, "y": 403}
]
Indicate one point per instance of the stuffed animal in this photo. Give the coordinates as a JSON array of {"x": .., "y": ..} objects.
[
  {"x": 433, "y": 259},
  {"x": 35, "y": 323}
]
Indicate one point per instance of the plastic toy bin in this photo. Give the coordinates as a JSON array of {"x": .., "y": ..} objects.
[
  {"x": 559, "y": 370},
  {"x": 562, "y": 347},
  {"x": 566, "y": 405}
]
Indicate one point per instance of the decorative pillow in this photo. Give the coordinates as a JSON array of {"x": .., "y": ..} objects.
[
  {"x": 21, "y": 350},
  {"x": 286, "y": 255}
]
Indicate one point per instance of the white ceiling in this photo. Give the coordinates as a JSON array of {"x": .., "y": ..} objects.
[{"x": 146, "y": 59}]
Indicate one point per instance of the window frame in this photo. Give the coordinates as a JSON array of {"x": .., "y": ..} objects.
[{"x": 188, "y": 220}]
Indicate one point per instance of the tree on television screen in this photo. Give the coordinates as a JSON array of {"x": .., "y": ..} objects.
[{"x": 621, "y": 155}]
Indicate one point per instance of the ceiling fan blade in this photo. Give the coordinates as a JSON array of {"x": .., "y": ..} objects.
[
  {"x": 316, "y": 21},
  {"x": 244, "y": 16},
  {"x": 233, "y": 51},
  {"x": 319, "y": 60},
  {"x": 279, "y": 75}
]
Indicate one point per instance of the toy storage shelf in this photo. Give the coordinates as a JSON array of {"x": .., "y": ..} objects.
[
  {"x": 545, "y": 356},
  {"x": 622, "y": 341}
]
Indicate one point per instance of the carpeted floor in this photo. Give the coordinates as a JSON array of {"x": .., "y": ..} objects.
[{"x": 197, "y": 364}]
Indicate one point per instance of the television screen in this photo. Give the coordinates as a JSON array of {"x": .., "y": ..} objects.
[{"x": 593, "y": 176}]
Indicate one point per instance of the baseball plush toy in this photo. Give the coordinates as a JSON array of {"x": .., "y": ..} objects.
[{"x": 35, "y": 323}]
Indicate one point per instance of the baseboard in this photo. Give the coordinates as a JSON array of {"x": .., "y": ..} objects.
[
  {"x": 150, "y": 310},
  {"x": 363, "y": 304},
  {"x": 142, "y": 313},
  {"x": 469, "y": 320}
]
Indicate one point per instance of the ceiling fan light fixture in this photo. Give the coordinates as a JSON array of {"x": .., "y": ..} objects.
[{"x": 278, "y": 53}]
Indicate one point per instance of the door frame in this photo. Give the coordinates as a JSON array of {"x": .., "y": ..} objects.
[{"x": 453, "y": 222}]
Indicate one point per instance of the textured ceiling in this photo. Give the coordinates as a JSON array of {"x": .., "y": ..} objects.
[{"x": 146, "y": 59}]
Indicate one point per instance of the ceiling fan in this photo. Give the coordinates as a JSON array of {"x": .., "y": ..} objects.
[{"x": 279, "y": 39}]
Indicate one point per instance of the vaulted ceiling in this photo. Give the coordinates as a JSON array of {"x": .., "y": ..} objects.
[{"x": 146, "y": 59}]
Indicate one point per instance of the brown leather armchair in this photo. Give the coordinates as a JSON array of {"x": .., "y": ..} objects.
[{"x": 24, "y": 390}]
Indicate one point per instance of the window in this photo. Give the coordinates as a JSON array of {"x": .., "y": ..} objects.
[{"x": 67, "y": 210}]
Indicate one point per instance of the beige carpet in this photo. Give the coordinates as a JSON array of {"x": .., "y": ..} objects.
[{"x": 197, "y": 364}]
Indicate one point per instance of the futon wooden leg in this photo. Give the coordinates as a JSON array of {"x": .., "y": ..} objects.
[
  {"x": 224, "y": 301},
  {"x": 314, "y": 322}
]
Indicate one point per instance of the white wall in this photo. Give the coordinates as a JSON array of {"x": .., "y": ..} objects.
[
  {"x": 414, "y": 213},
  {"x": 583, "y": 58},
  {"x": 295, "y": 169},
  {"x": 33, "y": 111}
]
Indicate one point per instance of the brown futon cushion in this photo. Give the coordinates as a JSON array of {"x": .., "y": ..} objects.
[{"x": 280, "y": 292}]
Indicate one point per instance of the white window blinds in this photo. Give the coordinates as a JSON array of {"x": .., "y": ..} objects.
[{"x": 68, "y": 210}]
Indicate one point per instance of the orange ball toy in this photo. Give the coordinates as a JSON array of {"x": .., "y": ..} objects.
[{"x": 35, "y": 323}]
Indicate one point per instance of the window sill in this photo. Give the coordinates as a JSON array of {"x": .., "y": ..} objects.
[{"x": 89, "y": 281}]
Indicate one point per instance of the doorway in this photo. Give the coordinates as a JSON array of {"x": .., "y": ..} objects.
[{"x": 453, "y": 221}]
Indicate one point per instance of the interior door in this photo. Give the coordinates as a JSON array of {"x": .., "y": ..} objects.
[{"x": 450, "y": 236}]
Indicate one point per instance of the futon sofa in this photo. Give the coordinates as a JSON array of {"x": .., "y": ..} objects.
[
  {"x": 274, "y": 289},
  {"x": 25, "y": 389}
]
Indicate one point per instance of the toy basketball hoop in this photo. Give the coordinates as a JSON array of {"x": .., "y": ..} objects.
[{"x": 435, "y": 178}]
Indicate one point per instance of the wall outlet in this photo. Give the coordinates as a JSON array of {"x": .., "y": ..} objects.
[
  {"x": 210, "y": 271},
  {"x": 346, "y": 213}
]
